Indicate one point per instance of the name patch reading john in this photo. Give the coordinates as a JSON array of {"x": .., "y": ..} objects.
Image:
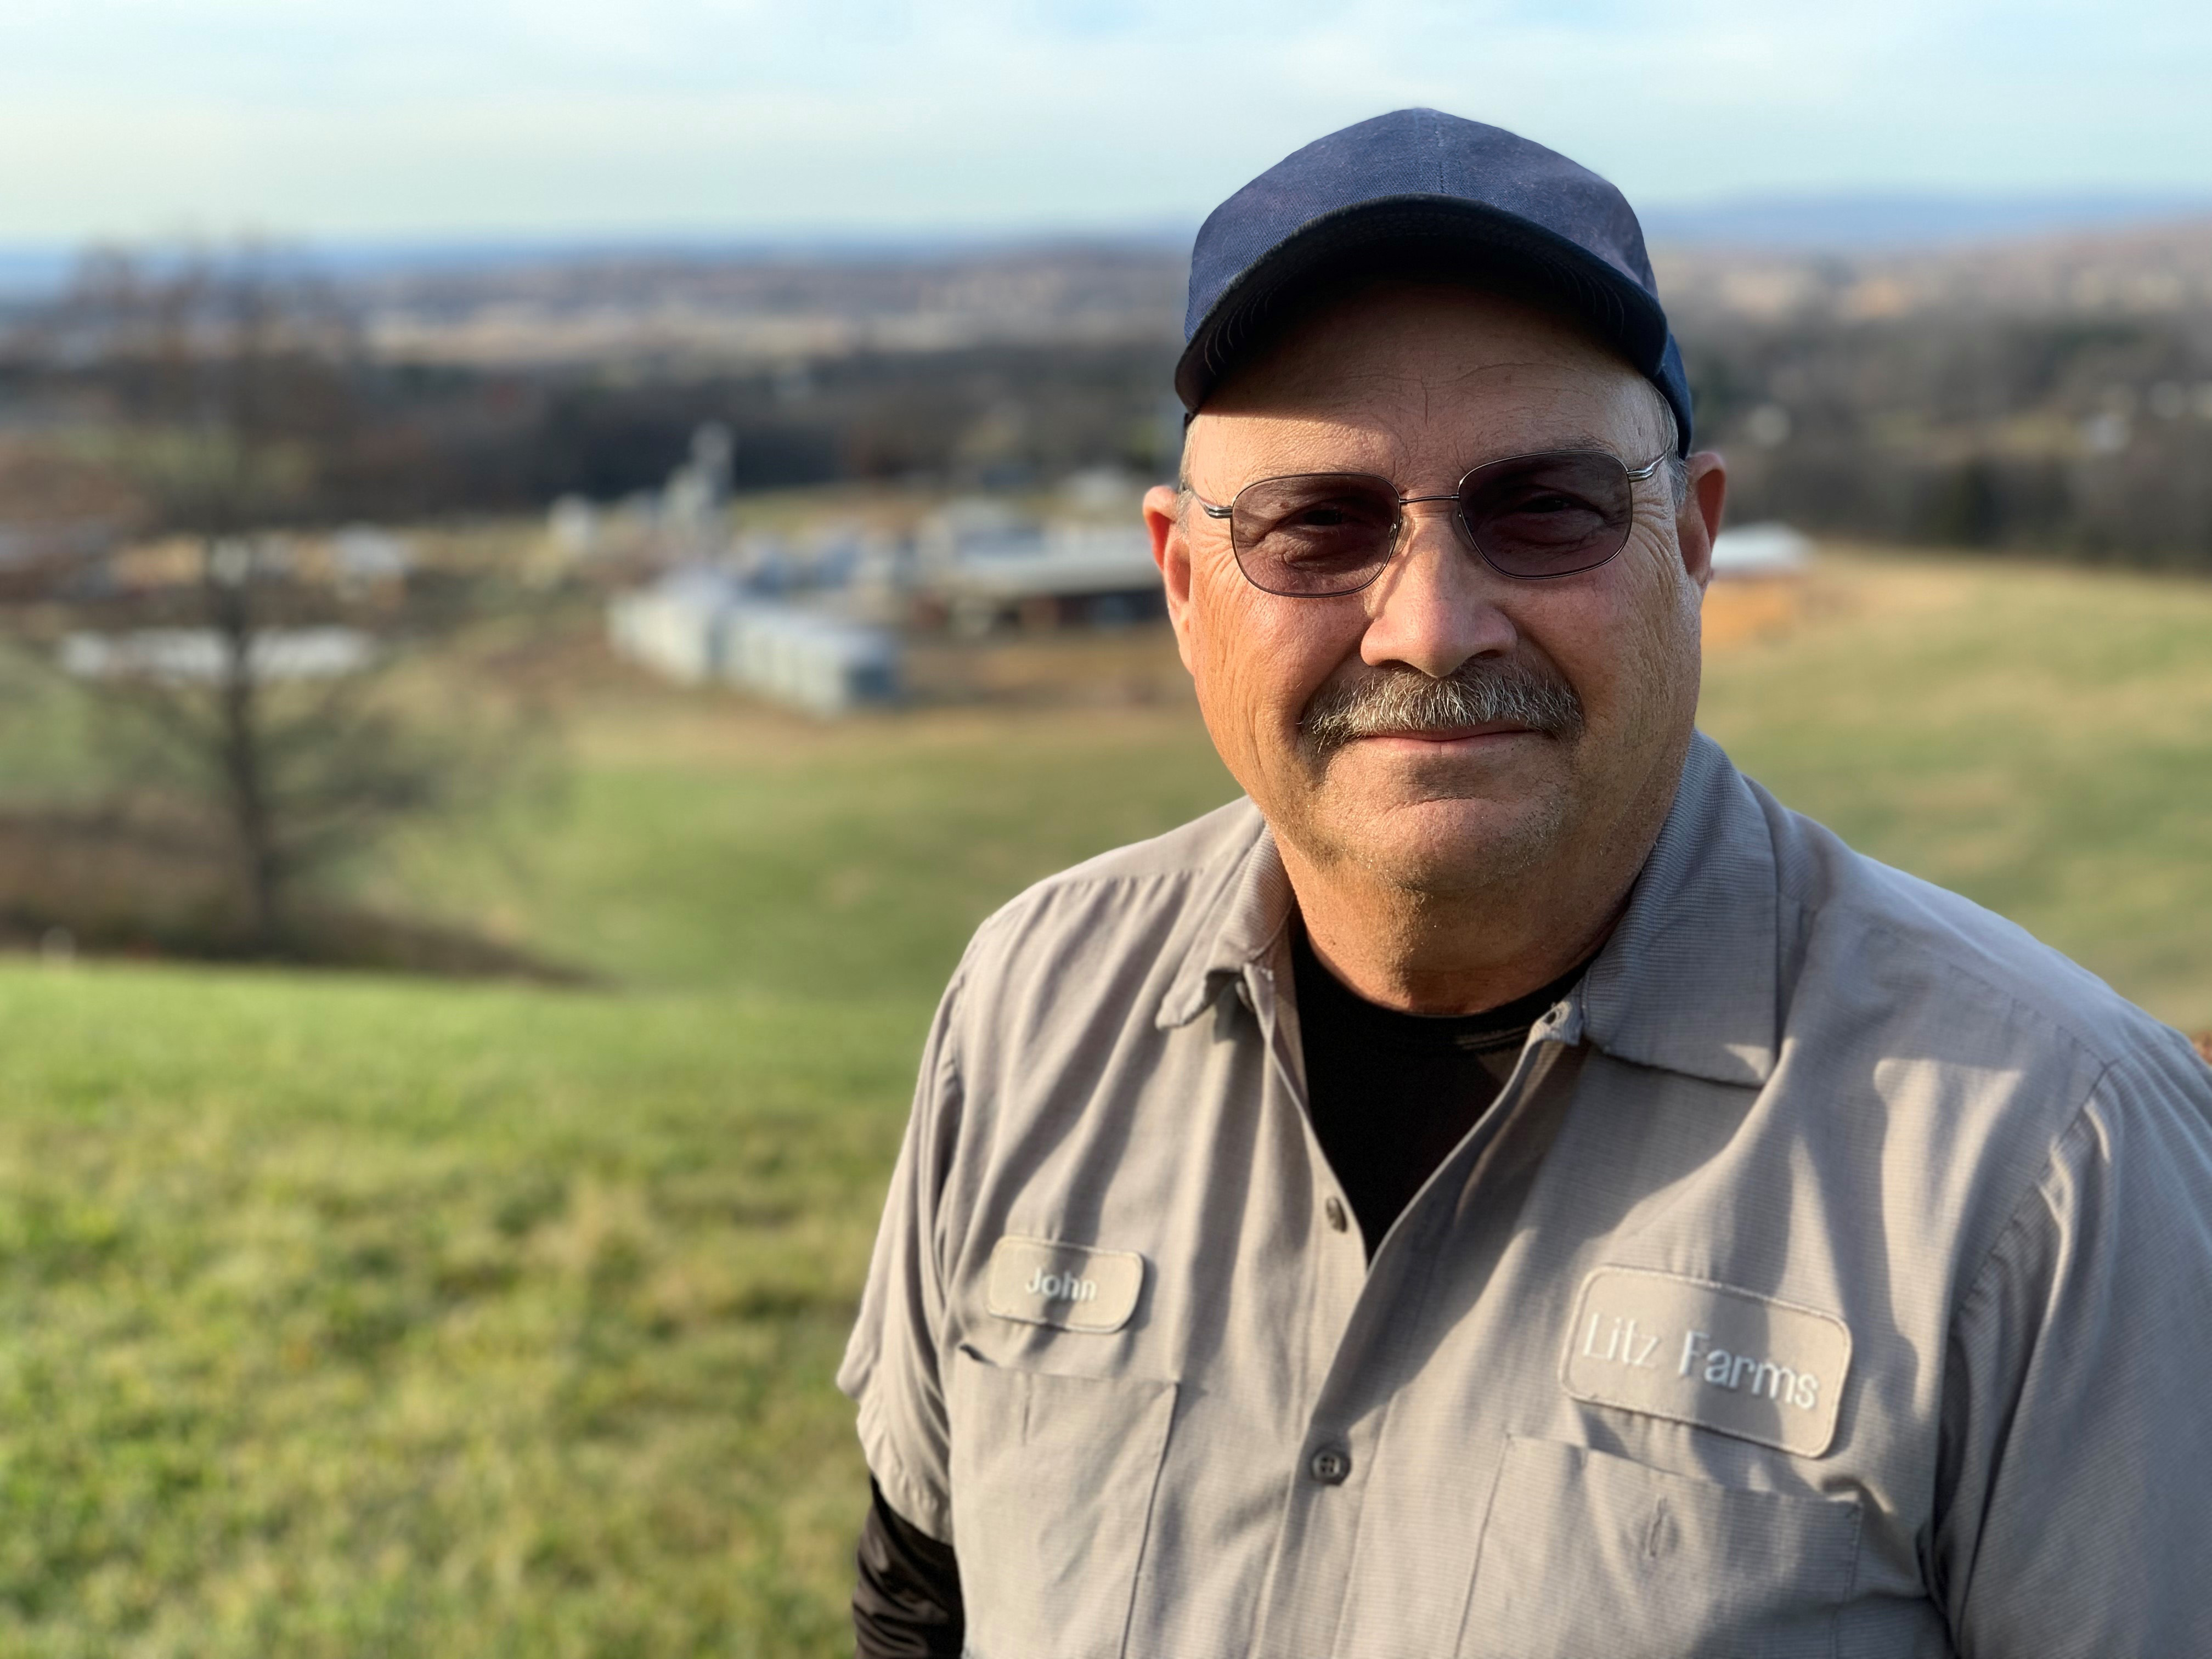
[
  {"x": 1072, "y": 1287},
  {"x": 1709, "y": 1355}
]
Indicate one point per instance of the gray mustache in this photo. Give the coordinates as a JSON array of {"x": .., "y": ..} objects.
[{"x": 1475, "y": 693}]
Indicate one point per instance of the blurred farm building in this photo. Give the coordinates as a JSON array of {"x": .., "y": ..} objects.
[
  {"x": 1758, "y": 588},
  {"x": 979, "y": 565},
  {"x": 701, "y": 626},
  {"x": 1760, "y": 552}
]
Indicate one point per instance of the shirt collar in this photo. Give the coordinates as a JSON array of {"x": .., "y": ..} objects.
[
  {"x": 1688, "y": 980},
  {"x": 1245, "y": 912},
  {"x": 1686, "y": 983}
]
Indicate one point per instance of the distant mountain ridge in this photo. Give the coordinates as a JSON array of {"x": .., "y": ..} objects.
[
  {"x": 2163, "y": 268},
  {"x": 1847, "y": 222},
  {"x": 28, "y": 268},
  {"x": 1858, "y": 258},
  {"x": 1861, "y": 223}
]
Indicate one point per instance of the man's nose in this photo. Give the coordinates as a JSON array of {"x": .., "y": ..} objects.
[{"x": 1434, "y": 607}]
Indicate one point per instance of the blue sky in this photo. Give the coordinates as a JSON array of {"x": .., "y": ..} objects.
[{"x": 497, "y": 118}]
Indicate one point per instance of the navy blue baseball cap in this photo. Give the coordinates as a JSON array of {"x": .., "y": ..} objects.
[{"x": 1425, "y": 194}]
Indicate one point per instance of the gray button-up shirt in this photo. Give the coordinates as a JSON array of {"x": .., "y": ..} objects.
[{"x": 1833, "y": 1276}]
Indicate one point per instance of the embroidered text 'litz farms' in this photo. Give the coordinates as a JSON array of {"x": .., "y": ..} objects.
[{"x": 1710, "y": 1355}]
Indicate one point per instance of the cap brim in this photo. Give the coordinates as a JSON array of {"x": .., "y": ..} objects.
[{"x": 1435, "y": 238}]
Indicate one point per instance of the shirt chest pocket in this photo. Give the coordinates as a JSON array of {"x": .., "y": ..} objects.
[
  {"x": 1584, "y": 1553},
  {"x": 1052, "y": 1498}
]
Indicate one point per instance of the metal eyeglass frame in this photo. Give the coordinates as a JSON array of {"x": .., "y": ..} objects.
[{"x": 1636, "y": 476}]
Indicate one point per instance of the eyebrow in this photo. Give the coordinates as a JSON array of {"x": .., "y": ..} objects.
[{"x": 1567, "y": 437}]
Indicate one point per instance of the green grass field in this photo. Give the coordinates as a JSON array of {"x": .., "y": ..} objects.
[
  {"x": 352, "y": 1316},
  {"x": 2039, "y": 738}
]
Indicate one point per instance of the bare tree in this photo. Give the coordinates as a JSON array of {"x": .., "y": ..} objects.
[{"x": 225, "y": 388}]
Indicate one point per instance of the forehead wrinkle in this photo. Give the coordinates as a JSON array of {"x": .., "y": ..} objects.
[
  {"x": 1280, "y": 446},
  {"x": 1406, "y": 399},
  {"x": 1274, "y": 446},
  {"x": 1335, "y": 389}
]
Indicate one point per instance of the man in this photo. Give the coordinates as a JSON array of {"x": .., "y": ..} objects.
[{"x": 1508, "y": 1187}]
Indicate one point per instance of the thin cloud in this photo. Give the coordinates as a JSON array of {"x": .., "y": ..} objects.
[{"x": 341, "y": 117}]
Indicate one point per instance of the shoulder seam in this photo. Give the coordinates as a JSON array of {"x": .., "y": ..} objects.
[
  {"x": 1952, "y": 961},
  {"x": 1975, "y": 1294},
  {"x": 2076, "y": 1124}
]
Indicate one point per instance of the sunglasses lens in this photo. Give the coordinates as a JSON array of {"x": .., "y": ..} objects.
[
  {"x": 1314, "y": 535},
  {"x": 1548, "y": 515}
]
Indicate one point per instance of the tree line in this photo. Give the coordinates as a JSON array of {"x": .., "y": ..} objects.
[
  {"x": 2079, "y": 436},
  {"x": 2086, "y": 435}
]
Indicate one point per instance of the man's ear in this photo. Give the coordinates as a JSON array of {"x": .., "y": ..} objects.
[
  {"x": 1698, "y": 521},
  {"x": 1171, "y": 552}
]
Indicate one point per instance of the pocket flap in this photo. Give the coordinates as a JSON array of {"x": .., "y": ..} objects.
[{"x": 1583, "y": 1553}]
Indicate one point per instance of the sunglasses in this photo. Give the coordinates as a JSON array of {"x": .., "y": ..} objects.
[{"x": 1318, "y": 535}]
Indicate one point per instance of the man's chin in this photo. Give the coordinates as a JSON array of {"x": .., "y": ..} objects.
[{"x": 1443, "y": 842}]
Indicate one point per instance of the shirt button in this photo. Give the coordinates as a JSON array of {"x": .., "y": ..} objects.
[
  {"x": 1329, "y": 1465},
  {"x": 1335, "y": 1210}
]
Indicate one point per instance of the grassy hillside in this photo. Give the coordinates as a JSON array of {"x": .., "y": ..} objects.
[
  {"x": 348, "y": 1317},
  {"x": 2039, "y": 738},
  {"x": 355, "y": 1316}
]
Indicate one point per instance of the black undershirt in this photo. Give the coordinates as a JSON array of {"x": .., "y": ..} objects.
[{"x": 1390, "y": 1094}]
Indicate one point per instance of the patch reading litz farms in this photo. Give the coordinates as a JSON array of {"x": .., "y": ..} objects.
[{"x": 1709, "y": 1355}]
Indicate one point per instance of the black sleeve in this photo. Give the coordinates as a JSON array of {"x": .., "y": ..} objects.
[{"x": 906, "y": 1602}]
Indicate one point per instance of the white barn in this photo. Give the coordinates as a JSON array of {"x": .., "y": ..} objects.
[{"x": 701, "y": 627}]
